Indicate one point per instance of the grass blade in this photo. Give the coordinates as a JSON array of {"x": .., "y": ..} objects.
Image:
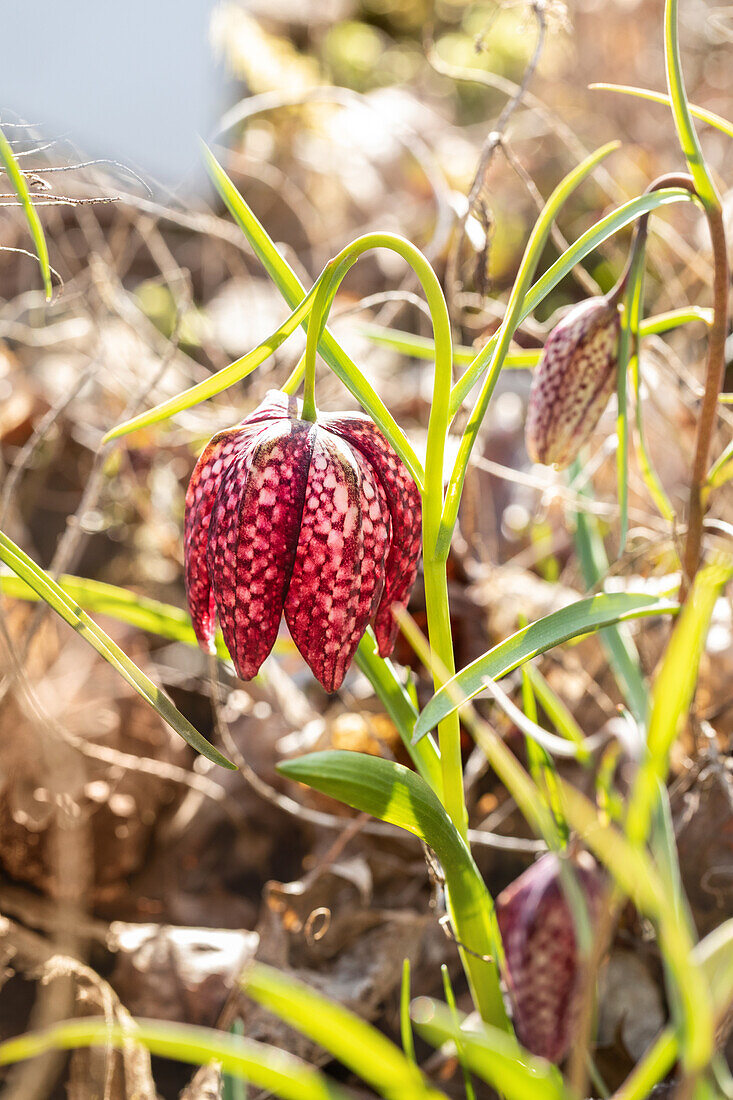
[
  {"x": 220, "y": 381},
  {"x": 395, "y": 794},
  {"x": 450, "y": 998},
  {"x": 491, "y": 1054},
  {"x": 592, "y": 238},
  {"x": 616, "y": 641},
  {"x": 579, "y": 618},
  {"x": 408, "y": 1039},
  {"x": 700, "y": 113},
  {"x": 71, "y": 613},
  {"x": 686, "y": 133},
  {"x": 265, "y": 1066},
  {"x": 382, "y": 675},
  {"x": 293, "y": 292},
  {"x": 356, "y": 1044},
  {"x": 17, "y": 179},
  {"x": 423, "y": 347},
  {"x": 673, "y": 691}
]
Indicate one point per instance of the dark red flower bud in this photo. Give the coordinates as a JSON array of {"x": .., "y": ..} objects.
[
  {"x": 319, "y": 521},
  {"x": 543, "y": 970},
  {"x": 573, "y": 382}
]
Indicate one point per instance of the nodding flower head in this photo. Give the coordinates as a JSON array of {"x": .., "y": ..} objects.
[
  {"x": 573, "y": 382},
  {"x": 542, "y": 966},
  {"x": 319, "y": 521}
]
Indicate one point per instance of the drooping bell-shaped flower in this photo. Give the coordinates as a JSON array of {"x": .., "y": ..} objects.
[
  {"x": 573, "y": 382},
  {"x": 319, "y": 521},
  {"x": 542, "y": 966}
]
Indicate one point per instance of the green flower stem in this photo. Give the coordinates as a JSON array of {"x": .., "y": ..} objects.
[
  {"x": 714, "y": 373},
  {"x": 684, "y": 125},
  {"x": 585, "y": 244},
  {"x": 715, "y": 368},
  {"x": 512, "y": 317},
  {"x": 436, "y": 586},
  {"x": 291, "y": 385}
]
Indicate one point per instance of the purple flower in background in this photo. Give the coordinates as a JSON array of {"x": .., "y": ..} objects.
[
  {"x": 573, "y": 382},
  {"x": 542, "y": 966}
]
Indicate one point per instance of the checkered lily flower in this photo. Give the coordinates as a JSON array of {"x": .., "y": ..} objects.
[
  {"x": 573, "y": 382},
  {"x": 542, "y": 967},
  {"x": 317, "y": 521}
]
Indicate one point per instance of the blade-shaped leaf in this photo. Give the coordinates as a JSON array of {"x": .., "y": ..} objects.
[
  {"x": 355, "y": 1043},
  {"x": 673, "y": 690},
  {"x": 616, "y": 641},
  {"x": 382, "y": 675},
  {"x": 591, "y": 239},
  {"x": 71, "y": 613},
  {"x": 17, "y": 179},
  {"x": 636, "y": 874},
  {"x": 224, "y": 378},
  {"x": 269, "y": 1068},
  {"x": 491, "y": 1054},
  {"x": 700, "y": 113},
  {"x": 583, "y": 617},
  {"x": 423, "y": 347},
  {"x": 125, "y": 606},
  {"x": 395, "y": 794},
  {"x": 293, "y": 292}
]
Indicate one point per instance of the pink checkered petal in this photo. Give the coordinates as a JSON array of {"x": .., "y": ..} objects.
[
  {"x": 254, "y": 538},
  {"x": 200, "y": 496},
  {"x": 322, "y": 603},
  {"x": 376, "y": 531},
  {"x": 405, "y": 507}
]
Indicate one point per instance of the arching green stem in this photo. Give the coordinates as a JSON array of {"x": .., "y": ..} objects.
[
  {"x": 436, "y": 588},
  {"x": 715, "y": 368},
  {"x": 531, "y": 257}
]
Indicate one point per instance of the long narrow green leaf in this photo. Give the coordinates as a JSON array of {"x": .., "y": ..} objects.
[
  {"x": 155, "y": 617},
  {"x": 450, "y": 999},
  {"x": 17, "y": 179},
  {"x": 646, "y": 467},
  {"x": 637, "y": 876},
  {"x": 685, "y": 127},
  {"x": 222, "y": 380},
  {"x": 356, "y": 1044},
  {"x": 554, "y": 707},
  {"x": 715, "y": 955},
  {"x": 382, "y": 675},
  {"x": 491, "y": 1054},
  {"x": 616, "y": 641},
  {"x": 423, "y": 347},
  {"x": 540, "y": 764},
  {"x": 408, "y": 1039},
  {"x": 293, "y": 292},
  {"x": 269, "y": 1068},
  {"x": 583, "y": 617},
  {"x": 673, "y": 690},
  {"x": 700, "y": 113},
  {"x": 395, "y": 794},
  {"x": 592, "y": 238},
  {"x": 722, "y": 469},
  {"x": 71, "y": 613}
]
